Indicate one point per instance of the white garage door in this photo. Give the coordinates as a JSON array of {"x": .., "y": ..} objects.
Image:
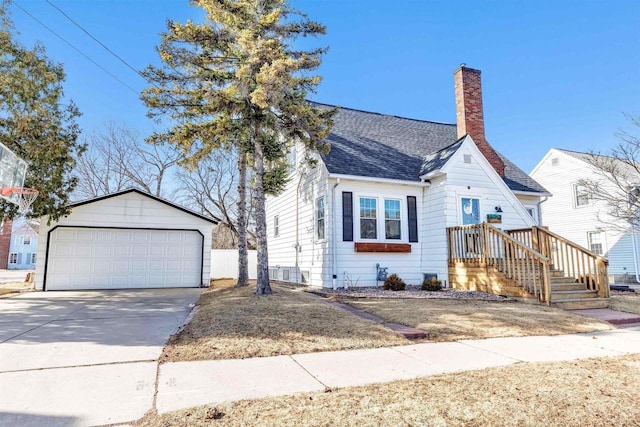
[{"x": 103, "y": 258}]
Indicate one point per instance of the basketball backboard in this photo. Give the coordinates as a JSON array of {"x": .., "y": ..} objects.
[{"x": 12, "y": 173}]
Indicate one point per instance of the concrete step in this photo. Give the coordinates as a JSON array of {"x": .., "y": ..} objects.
[
  {"x": 579, "y": 294},
  {"x": 581, "y": 303}
]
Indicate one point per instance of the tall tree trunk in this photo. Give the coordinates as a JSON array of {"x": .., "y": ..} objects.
[
  {"x": 263, "y": 287},
  {"x": 243, "y": 253}
]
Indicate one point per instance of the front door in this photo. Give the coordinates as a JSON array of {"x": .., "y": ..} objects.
[{"x": 470, "y": 208}]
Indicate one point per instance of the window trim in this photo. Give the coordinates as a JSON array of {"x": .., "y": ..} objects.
[{"x": 380, "y": 218}]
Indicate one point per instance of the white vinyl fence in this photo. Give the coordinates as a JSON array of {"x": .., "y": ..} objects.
[{"x": 224, "y": 264}]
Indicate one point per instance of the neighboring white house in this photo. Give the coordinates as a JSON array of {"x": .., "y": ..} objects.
[
  {"x": 24, "y": 245},
  {"x": 386, "y": 192},
  {"x": 572, "y": 214},
  {"x": 128, "y": 239}
]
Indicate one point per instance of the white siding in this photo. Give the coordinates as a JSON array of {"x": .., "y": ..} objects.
[
  {"x": 360, "y": 267},
  {"x": 128, "y": 210},
  {"x": 573, "y": 222},
  {"x": 442, "y": 205},
  {"x": 437, "y": 209},
  {"x": 295, "y": 208}
]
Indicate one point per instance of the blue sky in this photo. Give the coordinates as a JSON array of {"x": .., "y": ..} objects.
[{"x": 555, "y": 73}]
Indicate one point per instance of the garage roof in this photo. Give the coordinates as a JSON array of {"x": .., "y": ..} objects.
[{"x": 144, "y": 193}]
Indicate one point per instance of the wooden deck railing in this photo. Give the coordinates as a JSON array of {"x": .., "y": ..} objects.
[
  {"x": 574, "y": 260},
  {"x": 483, "y": 244}
]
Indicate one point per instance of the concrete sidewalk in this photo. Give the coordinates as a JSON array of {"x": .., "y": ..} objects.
[
  {"x": 106, "y": 392},
  {"x": 185, "y": 384}
]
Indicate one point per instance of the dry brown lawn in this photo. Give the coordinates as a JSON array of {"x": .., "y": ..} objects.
[
  {"x": 626, "y": 301},
  {"x": 233, "y": 323},
  {"x": 593, "y": 392},
  {"x": 13, "y": 288},
  {"x": 452, "y": 320}
]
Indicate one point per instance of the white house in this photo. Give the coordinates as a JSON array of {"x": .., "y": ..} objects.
[
  {"x": 128, "y": 239},
  {"x": 24, "y": 245},
  {"x": 386, "y": 192},
  {"x": 572, "y": 214}
]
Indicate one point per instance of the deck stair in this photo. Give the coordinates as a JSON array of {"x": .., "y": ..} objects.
[{"x": 534, "y": 264}]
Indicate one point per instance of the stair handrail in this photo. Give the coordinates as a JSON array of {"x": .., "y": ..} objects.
[
  {"x": 544, "y": 294},
  {"x": 599, "y": 278}
]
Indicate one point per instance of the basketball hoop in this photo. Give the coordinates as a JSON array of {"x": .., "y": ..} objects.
[{"x": 24, "y": 196}]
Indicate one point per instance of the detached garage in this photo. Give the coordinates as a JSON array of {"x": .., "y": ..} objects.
[{"x": 124, "y": 240}]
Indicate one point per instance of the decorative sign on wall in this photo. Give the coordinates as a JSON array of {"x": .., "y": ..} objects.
[{"x": 494, "y": 218}]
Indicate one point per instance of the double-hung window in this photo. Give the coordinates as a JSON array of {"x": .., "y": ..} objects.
[
  {"x": 320, "y": 218},
  {"x": 581, "y": 195},
  {"x": 368, "y": 218},
  {"x": 595, "y": 242},
  {"x": 276, "y": 226},
  {"x": 392, "y": 219},
  {"x": 372, "y": 208}
]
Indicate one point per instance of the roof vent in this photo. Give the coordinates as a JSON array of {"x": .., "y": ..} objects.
[
  {"x": 467, "y": 158},
  {"x": 554, "y": 161}
]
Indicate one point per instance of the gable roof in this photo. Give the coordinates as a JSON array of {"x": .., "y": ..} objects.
[
  {"x": 145, "y": 194},
  {"x": 382, "y": 146}
]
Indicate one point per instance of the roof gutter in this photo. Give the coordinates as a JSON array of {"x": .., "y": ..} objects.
[
  {"x": 378, "y": 180},
  {"x": 532, "y": 193}
]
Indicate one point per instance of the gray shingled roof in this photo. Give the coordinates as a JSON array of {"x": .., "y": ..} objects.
[{"x": 381, "y": 146}]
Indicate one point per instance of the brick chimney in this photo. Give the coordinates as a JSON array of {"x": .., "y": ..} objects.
[{"x": 469, "y": 115}]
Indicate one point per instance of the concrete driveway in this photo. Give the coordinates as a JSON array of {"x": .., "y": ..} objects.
[{"x": 84, "y": 358}]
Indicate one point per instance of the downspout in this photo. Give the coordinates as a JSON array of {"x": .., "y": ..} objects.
[
  {"x": 334, "y": 237},
  {"x": 539, "y": 208}
]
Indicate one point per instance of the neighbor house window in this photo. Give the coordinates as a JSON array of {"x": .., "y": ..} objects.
[
  {"x": 276, "y": 226},
  {"x": 26, "y": 240},
  {"x": 33, "y": 258},
  {"x": 392, "y": 219},
  {"x": 13, "y": 258},
  {"x": 320, "y": 218},
  {"x": 595, "y": 242},
  {"x": 581, "y": 195},
  {"x": 368, "y": 218}
]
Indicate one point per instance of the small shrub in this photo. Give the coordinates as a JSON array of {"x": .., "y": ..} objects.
[
  {"x": 394, "y": 283},
  {"x": 432, "y": 284}
]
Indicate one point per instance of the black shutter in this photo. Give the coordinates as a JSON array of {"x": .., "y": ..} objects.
[
  {"x": 347, "y": 216},
  {"x": 413, "y": 218}
]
